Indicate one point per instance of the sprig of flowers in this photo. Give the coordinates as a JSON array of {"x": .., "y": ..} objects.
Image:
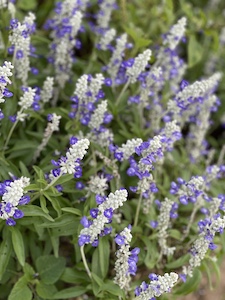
[
  {"x": 126, "y": 263},
  {"x": 158, "y": 286},
  {"x": 101, "y": 216},
  {"x": 12, "y": 197}
]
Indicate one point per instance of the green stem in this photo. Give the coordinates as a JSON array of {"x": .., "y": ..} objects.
[
  {"x": 186, "y": 232},
  {"x": 138, "y": 210},
  {"x": 123, "y": 91},
  {"x": 51, "y": 183},
  {"x": 46, "y": 188},
  {"x": 9, "y": 135},
  {"x": 85, "y": 261}
]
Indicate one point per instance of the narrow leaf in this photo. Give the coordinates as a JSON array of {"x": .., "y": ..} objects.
[
  {"x": 5, "y": 254},
  {"x": 18, "y": 245},
  {"x": 35, "y": 211},
  {"x": 70, "y": 292}
]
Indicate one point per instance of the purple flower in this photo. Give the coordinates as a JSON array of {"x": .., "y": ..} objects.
[
  {"x": 183, "y": 199},
  {"x": 212, "y": 246},
  {"x": 95, "y": 243},
  {"x": 183, "y": 277},
  {"x": 108, "y": 213},
  {"x": 79, "y": 185},
  {"x": 85, "y": 222},
  {"x": 153, "y": 277},
  {"x": 83, "y": 239},
  {"x": 34, "y": 71},
  {"x": 2, "y": 188},
  {"x": 59, "y": 188},
  {"x": 153, "y": 224},
  {"x": 7, "y": 93},
  {"x": 183, "y": 84},
  {"x": 73, "y": 140},
  {"x": 12, "y": 119},
  {"x": 10, "y": 222},
  {"x": 108, "y": 81},
  {"x": 118, "y": 155},
  {"x": 107, "y": 230},
  {"x": 24, "y": 200},
  {"x": 56, "y": 172},
  {"x": 18, "y": 214},
  {"x": 19, "y": 54},
  {"x": 99, "y": 199},
  {"x": 94, "y": 212},
  {"x": 120, "y": 240}
]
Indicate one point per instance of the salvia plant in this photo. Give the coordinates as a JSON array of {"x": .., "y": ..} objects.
[{"x": 111, "y": 148}]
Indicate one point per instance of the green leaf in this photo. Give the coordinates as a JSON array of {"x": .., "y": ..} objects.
[
  {"x": 64, "y": 178},
  {"x": 45, "y": 291},
  {"x": 55, "y": 243},
  {"x": 28, "y": 271},
  {"x": 74, "y": 276},
  {"x": 32, "y": 187},
  {"x": 190, "y": 285},
  {"x": 24, "y": 169},
  {"x": 23, "y": 145},
  {"x": 70, "y": 292},
  {"x": 205, "y": 266},
  {"x": 152, "y": 254},
  {"x": 5, "y": 254},
  {"x": 178, "y": 262},
  {"x": 18, "y": 245},
  {"x": 63, "y": 220},
  {"x": 40, "y": 173},
  {"x": 44, "y": 204},
  {"x": 97, "y": 284},
  {"x": 72, "y": 210},
  {"x": 27, "y": 4},
  {"x": 55, "y": 203},
  {"x": 97, "y": 279},
  {"x": 21, "y": 290},
  {"x": 113, "y": 289},
  {"x": 139, "y": 41},
  {"x": 216, "y": 268},
  {"x": 50, "y": 268},
  {"x": 35, "y": 211},
  {"x": 195, "y": 51},
  {"x": 100, "y": 258},
  {"x": 174, "y": 233}
]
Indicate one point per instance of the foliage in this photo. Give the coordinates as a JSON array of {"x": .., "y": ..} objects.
[{"x": 73, "y": 165}]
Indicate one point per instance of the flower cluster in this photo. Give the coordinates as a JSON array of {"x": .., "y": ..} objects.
[
  {"x": 47, "y": 90},
  {"x": 139, "y": 64},
  {"x": 168, "y": 210},
  {"x": 101, "y": 216},
  {"x": 188, "y": 102},
  {"x": 21, "y": 46},
  {"x": 188, "y": 191},
  {"x": 152, "y": 151},
  {"x": 86, "y": 95},
  {"x": 12, "y": 197},
  {"x": 5, "y": 73},
  {"x": 53, "y": 125},
  {"x": 104, "y": 15},
  {"x": 71, "y": 163},
  {"x": 64, "y": 28},
  {"x": 157, "y": 286},
  {"x": 207, "y": 230},
  {"x": 126, "y": 263}
]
